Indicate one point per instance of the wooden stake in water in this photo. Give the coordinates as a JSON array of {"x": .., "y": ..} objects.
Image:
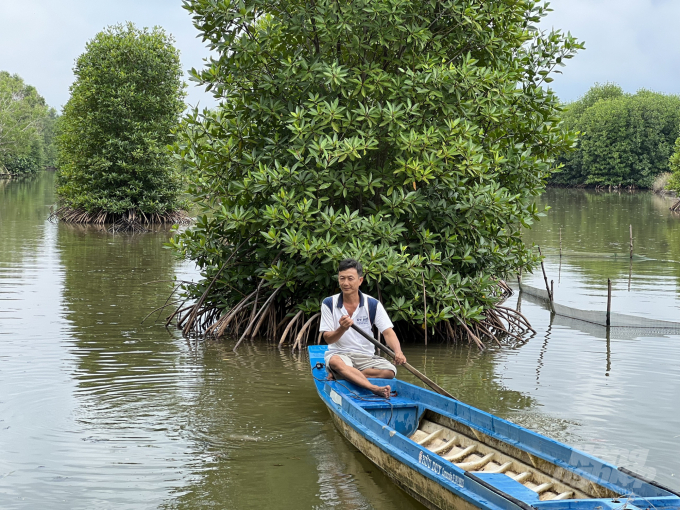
[
  {"x": 560, "y": 242},
  {"x": 609, "y": 301},
  {"x": 545, "y": 277},
  {"x": 631, "y": 242},
  {"x": 552, "y": 288}
]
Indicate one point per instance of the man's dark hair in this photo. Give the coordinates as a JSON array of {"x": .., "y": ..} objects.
[{"x": 351, "y": 264}]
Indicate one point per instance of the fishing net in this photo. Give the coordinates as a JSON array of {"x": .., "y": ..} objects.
[{"x": 617, "y": 320}]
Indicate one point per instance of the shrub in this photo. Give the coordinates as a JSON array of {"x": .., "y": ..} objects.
[
  {"x": 126, "y": 99},
  {"x": 408, "y": 134}
]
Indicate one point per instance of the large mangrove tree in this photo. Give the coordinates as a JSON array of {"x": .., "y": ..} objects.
[
  {"x": 412, "y": 135},
  {"x": 127, "y": 98}
]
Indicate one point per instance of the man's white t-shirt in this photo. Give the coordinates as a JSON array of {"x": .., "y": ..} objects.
[{"x": 352, "y": 341}]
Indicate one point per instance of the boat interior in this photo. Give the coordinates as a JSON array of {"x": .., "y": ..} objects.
[
  {"x": 475, "y": 452},
  {"x": 528, "y": 477}
]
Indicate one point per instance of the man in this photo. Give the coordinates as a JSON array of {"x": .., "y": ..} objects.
[{"x": 350, "y": 356}]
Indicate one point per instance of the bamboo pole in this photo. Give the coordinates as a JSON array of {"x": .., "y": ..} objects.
[
  {"x": 407, "y": 366},
  {"x": 545, "y": 278},
  {"x": 609, "y": 301},
  {"x": 631, "y": 242}
]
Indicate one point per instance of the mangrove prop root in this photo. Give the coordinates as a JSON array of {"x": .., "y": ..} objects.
[
  {"x": 253, "y": 319},
  {"x": 130, "y": 221},
  {"x": 279, "y": 322},
  {"x": 290, "y": 325},
  {"x": 304, "y": 330}
]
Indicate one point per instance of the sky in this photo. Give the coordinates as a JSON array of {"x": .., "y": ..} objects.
[
  {"x": 635, "y": 43},
  {"x": 41, "y": 39}
]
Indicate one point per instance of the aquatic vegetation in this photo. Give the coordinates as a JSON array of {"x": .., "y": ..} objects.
[
  {"x": 114, "y": 165},
  {"x": 412, "y": 135}
]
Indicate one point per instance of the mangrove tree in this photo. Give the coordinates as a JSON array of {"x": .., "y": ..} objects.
[
  {"x": 625, "y": 139},
  {"x": 411, "y": 135},
  {"x": 114, "y": 165},
  {"x": 26, "y": 127}
]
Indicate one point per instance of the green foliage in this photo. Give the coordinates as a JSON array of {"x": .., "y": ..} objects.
[
  {"x": 113, "y": 135},
  {"x": 26, "y": 127},
  {"x": 412, "y": 135},
  {"x": 626, "y": 139},
  {"x": 674, "y": 181}
]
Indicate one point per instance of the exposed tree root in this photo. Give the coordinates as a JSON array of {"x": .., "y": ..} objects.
[
  {"x": 261, "y": 313},
  {"x": 129, "y": 221},
  {"x": 676, "y": 207}
]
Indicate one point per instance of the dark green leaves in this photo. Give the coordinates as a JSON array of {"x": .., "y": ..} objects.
[
  {"x": 125, "y": 102},
  {"x": 412, "y": 135},
  {"x": 27, "y": 127},
  {"x": 624, "y": 138}
]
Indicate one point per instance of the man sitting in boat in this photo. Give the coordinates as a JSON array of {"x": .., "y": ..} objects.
[{"x": 350, "y": 356}]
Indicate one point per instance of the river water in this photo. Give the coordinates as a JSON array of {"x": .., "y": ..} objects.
[{"x": 98, "y": 410}]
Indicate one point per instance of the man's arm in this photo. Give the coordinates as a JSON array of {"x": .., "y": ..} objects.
[
  {"x": 393, "y": 343},
  {"x": 333, "y": 336}
]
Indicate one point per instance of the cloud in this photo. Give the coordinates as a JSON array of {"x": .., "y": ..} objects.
[
  {"x": 40, "y": 39},
  {"x": 634, "y": 43}
]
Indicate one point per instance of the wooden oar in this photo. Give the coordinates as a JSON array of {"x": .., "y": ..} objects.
[{"x": 407, "y": 366}]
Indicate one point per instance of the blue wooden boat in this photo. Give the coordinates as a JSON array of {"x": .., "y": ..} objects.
[{"x": 447, "y": 454}]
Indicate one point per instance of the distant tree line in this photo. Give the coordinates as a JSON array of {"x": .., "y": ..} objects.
[
  {"x": 27, "y": 127},
  {"x": 624, "y": 138}
]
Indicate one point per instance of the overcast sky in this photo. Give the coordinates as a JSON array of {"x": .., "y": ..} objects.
[{"x": 635, "y": 43}]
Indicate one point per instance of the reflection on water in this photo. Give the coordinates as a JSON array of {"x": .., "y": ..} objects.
[
  {"x": 595, "y": 230},
  {"x": 98, "y": 410},
  {"x": 622, "y": 386}
]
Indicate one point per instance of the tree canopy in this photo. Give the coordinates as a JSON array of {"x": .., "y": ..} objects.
[
  {"x": 625, "y": 138},
  {"x": 116, "y": 126},
  {"x": 411, "y": 135},
  {"x": 26, "y": 127}
]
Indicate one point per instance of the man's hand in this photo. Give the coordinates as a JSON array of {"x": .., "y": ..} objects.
[
  {"x": 333, "y": 336},
  {"x": 399, "y": 358},
  {"x": 346, "y": 322}
]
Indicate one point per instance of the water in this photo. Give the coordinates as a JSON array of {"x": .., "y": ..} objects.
[{"x": 100, "y": 411}]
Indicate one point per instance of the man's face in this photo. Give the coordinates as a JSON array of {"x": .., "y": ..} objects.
[{"x": 349, "y": 280}]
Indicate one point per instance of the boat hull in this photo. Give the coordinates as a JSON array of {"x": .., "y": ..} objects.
[
  {"x": 449, "y": 455},
  {"x": 424, "y": 490}
]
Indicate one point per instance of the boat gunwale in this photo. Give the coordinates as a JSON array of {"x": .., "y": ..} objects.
[{"x": 371, "y": 426}]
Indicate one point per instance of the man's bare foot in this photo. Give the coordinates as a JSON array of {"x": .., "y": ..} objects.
[{"x": 382, "y": 391}]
